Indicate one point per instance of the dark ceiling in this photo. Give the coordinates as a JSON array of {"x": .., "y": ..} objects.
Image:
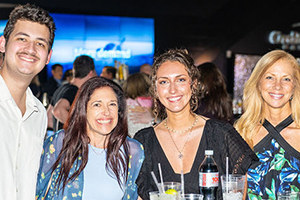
[
  {"x": 196, "y": 25},
  {"x": 207, "y": 27}
]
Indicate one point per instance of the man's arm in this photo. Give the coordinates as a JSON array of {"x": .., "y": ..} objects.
[{"x": 61, "y": 110}]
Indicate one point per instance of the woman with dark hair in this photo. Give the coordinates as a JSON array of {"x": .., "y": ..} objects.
[
  {"x": 215, "y": 100},
  {"x": 178, "y": 143},
  {"x": 92, "y": 158}
]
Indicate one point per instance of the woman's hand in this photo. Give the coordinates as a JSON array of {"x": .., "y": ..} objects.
[{"x": 139, "y": 115}]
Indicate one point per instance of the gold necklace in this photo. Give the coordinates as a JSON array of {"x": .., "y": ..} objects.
[
  {"x": 179, "y": 132},
  {"x": 180, "y": 156}
]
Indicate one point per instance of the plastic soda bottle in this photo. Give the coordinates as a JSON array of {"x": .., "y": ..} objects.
[{"x": 208, "y": 177}]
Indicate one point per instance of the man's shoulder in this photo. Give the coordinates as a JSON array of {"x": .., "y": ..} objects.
[
  {"x": 66, "y": 87},
  {"x": 64, "y": 90},
  {"x": 5, "y": 93}
]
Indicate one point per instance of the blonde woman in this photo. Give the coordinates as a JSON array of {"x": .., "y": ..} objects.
[{"x": 270, "y": 125}]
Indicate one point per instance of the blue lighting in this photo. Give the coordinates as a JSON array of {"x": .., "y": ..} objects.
[{"x": 107, "y": 39}]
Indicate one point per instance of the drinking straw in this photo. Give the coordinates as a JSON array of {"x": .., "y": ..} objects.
[
  {"x": 161, "y": 178},
  {"x": 156, "y": 182},
  {"x": 182, "y": 182},
  {"x": 227, "y": 175}
]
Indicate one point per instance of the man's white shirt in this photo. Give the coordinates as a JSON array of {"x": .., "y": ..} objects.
[{"x": 21, "y": 141}]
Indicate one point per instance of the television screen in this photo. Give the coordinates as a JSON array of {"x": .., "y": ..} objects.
[
  {"x": 2, "y": 26},
  {"x": 107, "y": 39}
]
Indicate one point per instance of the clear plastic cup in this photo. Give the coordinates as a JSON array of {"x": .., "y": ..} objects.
[
  {"x": 155, "y": 195},
  {"x": 234, "y": 188},
  {"x": 172, "y": 192},
  {"x": 191, "y": 197},
  {"x": 288, "y": 195},
  {"x": 171, "y": 187}
]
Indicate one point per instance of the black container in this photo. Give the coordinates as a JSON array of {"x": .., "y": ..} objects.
[{"x": 208, "y": 177}]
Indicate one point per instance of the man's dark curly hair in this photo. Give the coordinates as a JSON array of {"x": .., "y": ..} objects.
[{"x": 31, "y": 13}]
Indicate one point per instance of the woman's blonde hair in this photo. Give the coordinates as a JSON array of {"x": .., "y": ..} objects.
[{"x": 253, "y": 104}]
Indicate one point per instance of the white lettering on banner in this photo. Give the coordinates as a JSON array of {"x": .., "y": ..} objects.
[
  {"x": 288, "y": 41},
  {"x": 100, "y": 53},
  {"x": 209, "y": 179}
]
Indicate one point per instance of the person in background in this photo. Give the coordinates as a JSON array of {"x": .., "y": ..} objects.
[
  {"x": 139, "y": 102},
  {"x": 146, "y": 69},
  {"x": 27, "y": 44},
  {"x": 58, "y": 110},
  {"x": 54, "y": 81},
  {"x": 68, "y": 76},
  {"x": 92, "y": 158},
  {"x": 271, "y": 125},
  {"x": 178, "y": 143},
  {"x": 110, "y": 73},
  {"x": 215, "y": 100}
]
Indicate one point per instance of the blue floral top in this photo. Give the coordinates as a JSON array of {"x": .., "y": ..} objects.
[
  {"x": 73, "y": 190},
  {"x": 279, "y": 166}
]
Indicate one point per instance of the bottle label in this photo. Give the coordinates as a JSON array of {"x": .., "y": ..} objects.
[{"x": 209, "y": 179}]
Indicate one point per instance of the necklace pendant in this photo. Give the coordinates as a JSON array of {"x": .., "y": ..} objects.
[{"x": 180, "y": 156}]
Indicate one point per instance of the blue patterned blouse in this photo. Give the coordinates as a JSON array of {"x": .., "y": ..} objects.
[
  {"x": 73, "y": 190},
  {"x": 279, "y": 166}
]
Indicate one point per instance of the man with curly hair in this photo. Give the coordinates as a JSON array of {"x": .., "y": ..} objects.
[{"x": 27, "y": 43}]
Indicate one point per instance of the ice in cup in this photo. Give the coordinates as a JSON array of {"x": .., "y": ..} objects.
[
  {"x": 234, "y": 188},
  {"x": 157, "y": 196},
  {"x": 172, "y": 192},
  {"x": 288, "y": 195},
  {"x": 191, "y": 197}
]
